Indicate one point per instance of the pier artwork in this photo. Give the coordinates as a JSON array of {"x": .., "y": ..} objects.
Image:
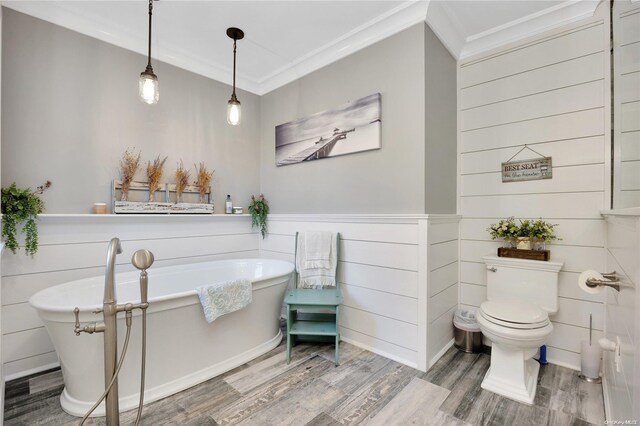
[
  {"x": 346, "y": 129},
  {"x": 321, "y": 149}
]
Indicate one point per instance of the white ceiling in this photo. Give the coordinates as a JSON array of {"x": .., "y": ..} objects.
[{"x": 285, "y": 40}]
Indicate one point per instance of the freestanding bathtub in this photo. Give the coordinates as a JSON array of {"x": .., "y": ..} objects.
[{"x": 182, "y": 348}]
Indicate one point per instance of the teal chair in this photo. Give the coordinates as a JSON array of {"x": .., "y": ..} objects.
[{"x": 320, "y": 326}]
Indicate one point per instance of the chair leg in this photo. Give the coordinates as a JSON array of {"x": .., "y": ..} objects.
[
  {"x": 337, "y": 356},
  {"x": 289, "y": 343}
]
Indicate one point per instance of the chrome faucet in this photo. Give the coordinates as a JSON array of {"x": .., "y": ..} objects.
[{"x": 142, "y": 259}]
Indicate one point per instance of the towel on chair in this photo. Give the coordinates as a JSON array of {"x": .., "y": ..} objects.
[
  {"x": 225, "y": 297},
  {"x": 317, "y": 247},
  {"x": 320, "y": 270}
]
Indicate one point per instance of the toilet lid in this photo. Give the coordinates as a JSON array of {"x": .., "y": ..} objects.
[{"x": 514, "y": 313}]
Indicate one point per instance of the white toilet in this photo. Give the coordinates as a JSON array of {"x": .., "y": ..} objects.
[{"x": 520, "y": 296}]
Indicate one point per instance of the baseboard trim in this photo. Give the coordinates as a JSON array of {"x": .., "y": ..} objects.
[
  {"x": 440, "y": 353},
  {"x": 379, "y": 352},
  {"x": 31, "y": 371}
]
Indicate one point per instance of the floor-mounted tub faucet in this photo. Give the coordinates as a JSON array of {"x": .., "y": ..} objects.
[
  {"x": 142, "y": 260},
  {"x": 110, "y": 316}
]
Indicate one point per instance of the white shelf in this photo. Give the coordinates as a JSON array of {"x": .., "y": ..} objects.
[{"x": 122, "y": 218}]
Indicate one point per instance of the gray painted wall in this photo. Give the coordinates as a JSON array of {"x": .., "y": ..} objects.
[
  {"x": 388, "y": 180},
  {"x": 440, "y": 126},
  {"x": 414, "y": 172},
  {"x": 74, "y": 109},
  {"x": 70, "y": 108}
]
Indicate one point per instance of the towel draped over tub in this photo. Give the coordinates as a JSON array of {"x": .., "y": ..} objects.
[{"x": 225, "y": 297}]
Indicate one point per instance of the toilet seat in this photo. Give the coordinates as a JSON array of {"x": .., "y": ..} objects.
[{"x": 514, "y": 314}]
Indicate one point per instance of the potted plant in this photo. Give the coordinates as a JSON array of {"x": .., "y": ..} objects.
[
  {"x": 21, "y": 205},
  {"x": 506, "y": 229},
  {"x": 526, "y": 235},
  {"x": 259, "y": 209},
  {"x": 541, "y": 233}
]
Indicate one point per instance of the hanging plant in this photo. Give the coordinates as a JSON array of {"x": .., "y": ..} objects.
[
  {"x": 259, "y": 209},
  {"x": 21, "y": 206}
]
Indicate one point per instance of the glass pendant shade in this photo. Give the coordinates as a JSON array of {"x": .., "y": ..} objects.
[
  {"x": 148, "y": 88},
  {"x": 234, "y": 111}
]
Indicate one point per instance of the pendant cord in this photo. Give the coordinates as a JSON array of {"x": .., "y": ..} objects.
[
  {"x": 234, "y": 68},
  {"x": 149, "y": 50}
]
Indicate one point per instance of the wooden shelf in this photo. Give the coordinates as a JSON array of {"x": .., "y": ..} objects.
[
  {"x": 314, "y": 328},
  {"x": 543, "y": 255}
]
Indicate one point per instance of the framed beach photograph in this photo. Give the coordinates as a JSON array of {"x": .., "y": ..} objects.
[{"x": 352, "y": 127}]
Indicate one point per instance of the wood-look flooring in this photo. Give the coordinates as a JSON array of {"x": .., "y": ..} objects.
[{"x": 365, "y": 389}]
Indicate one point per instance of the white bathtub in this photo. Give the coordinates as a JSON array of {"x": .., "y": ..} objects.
[{"x": 182, "y": 348}]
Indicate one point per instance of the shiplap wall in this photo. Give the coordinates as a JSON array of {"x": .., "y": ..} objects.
[
  {"x": 442, "y": 284},
  {"x": 626, "y": 29},
  {"x": 621, "y": 392},
  {"x": 550, "y": 92},
  {"x": 74, "y": 247},
  {"x": 384, "y": 265}
]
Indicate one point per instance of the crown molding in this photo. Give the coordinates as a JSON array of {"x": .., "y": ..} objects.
[
  {"x": 535, "y": 23},
  {"x": 92, "y": 26},
  {"x": 397, "y": 19},
  {"x": 405, "y": 15},
  {"x": 445, "y": 28},
  {"x": 383, "y": 26}
]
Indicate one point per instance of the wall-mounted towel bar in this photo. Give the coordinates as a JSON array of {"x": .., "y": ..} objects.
[{"x": 610, "y": 280}]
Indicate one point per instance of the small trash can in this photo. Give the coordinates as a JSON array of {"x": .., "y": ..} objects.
[{"x": 467, "y": 335}]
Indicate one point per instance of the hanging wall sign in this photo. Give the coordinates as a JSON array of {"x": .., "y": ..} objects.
[{"x": 535, "y": 169}]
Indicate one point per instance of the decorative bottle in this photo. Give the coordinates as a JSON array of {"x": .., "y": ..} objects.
[{"x": 228, "y": 205}]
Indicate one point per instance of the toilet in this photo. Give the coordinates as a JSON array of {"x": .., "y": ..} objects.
[{"x": 521, "y": 294}]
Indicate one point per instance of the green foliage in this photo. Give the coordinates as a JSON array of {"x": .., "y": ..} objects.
[
  {"x": 21, "y": 206},
  {"x": 506, "y": 228},
  {"x": 259, "y": 209},
  {"x": 536, "y": 229},
  {"x": 539, "y": 229}
]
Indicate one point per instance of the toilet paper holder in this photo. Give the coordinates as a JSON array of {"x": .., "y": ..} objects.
[{"x": 610, "y": 280}]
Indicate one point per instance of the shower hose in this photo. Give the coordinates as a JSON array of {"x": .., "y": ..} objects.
[{"x": 128, "y": 316}]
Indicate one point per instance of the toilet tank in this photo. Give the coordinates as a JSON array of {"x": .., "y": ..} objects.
[{"x": 532, "y": 281}]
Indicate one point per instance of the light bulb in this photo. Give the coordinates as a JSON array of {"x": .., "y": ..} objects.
[
  {"x": 148, "y": 88},
  {"x": 233, "y": 112}
]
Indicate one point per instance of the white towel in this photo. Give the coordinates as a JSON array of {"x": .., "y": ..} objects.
[
  {"x": 316, "y": 277},
  {"x": 223, "y": 298},
  {"x": 317, "y": 246}
]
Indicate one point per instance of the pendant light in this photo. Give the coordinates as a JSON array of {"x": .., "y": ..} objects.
[
  {"x": 233, "y": 107},
  {"x": 148, "y": 84}
]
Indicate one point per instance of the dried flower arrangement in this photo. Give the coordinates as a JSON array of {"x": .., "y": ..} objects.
[
  {"x": 154, "y": 174},
  {"x": 182, "y": 180},
  {"x": 128, "y": 167},
  {"x": 203, "y": 181}
]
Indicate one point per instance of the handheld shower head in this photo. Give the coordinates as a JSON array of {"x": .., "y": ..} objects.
[{"x": 143, "y": 259}]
